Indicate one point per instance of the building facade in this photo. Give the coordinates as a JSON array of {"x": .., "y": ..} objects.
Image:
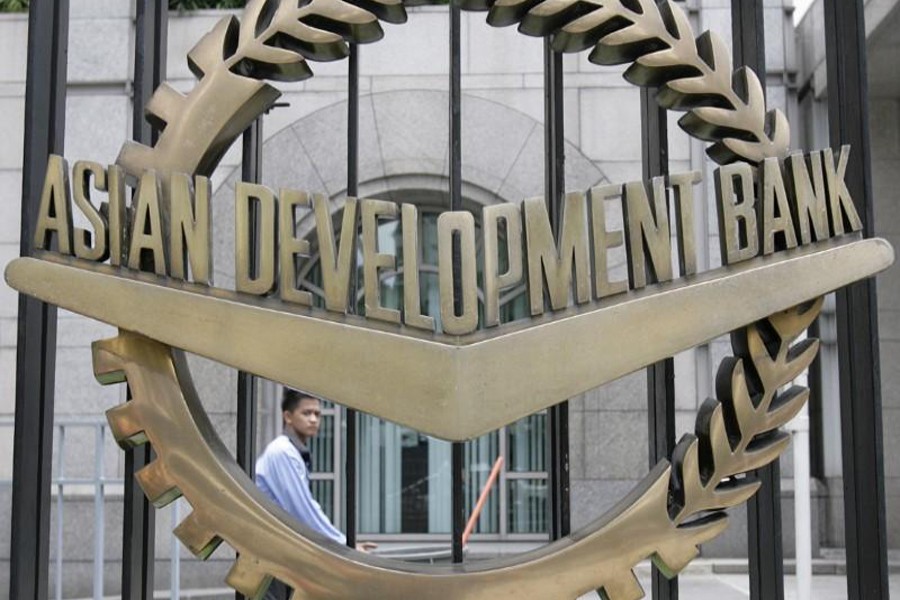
[{"x": 404, "y": 476}]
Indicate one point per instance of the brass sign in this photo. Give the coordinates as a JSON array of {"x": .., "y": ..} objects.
[{"x": 788, "y": 230}]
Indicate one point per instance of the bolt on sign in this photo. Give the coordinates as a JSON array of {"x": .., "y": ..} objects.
[{"x": 789, "y": 234}]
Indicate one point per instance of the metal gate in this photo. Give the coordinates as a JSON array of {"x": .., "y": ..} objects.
[{"x": 860, "y": 394}]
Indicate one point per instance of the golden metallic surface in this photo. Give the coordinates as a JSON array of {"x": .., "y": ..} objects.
[
  {"x": 374, "y": 261},
  {"x": 777, "y": 229},
  {"x": 257, "y": 279},
  {"x": 146, "y": 249},
  {"x": 233, "y": 61},
  {"x": 412, "y": 300},
  {"x": 604, "y": 241},
  {"x": 683, "y": 191},
  {"x": 447, "y": 379},
  {"x": 736, "y": 209},
  {"x": 647, "y": 228},
  {"x": 290, "y": 246},
  {"x": 494, "y": 281},
  {"x": 807, "y": 179},
  {"x": 116, "y": 215},
  {"x": 839, "y": 194},
  {"x": 89, "y": 245},
  {"x": 55, "y": 211},
  {"x": 463, "y": 319},
  {"x": 650, "y": 522},
  {"x": 552, "y": 262},
  {"x": 694, "y": 73},
  {"x": 190, "y": 237},
  {"x": 335, "y": 262}
]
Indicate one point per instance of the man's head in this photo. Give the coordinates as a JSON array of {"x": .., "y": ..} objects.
[{"x": 302, "y": 413}]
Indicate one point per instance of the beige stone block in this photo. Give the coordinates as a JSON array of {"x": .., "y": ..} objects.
[
  {"x": 890, "y": 367},
  {"x": 419, "y": 46},
  {"x": 592, "y": 498},
  {"x": 96, "y": 127},
  {"x": 323, "y": 136},
  {"x": 96, "y": 9},
  {"x": 611, "y": 124},
  {"x": 77, "y": 391},
  {"x": 10, "y": 210},
  {"x": 9, "y": 297},
  {"x": 891, "y": 425},
  {"x": 99, "y": 50},
  {"x": 615, "y": 444},
  {"x": 625, "y": 393},
  {"x": 8, "y": 331},
  {"x": 7, "y": 382},
  {"x": 12, "y": 131},
  {"x": 13, "y": 47},
  {"x": 501, "y": 50},
  {"x": 6, "y": 455},
  {"x": 527, "y": 101}
]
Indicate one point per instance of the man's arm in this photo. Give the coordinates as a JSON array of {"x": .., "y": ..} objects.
[{"x": 288, "y": 481}]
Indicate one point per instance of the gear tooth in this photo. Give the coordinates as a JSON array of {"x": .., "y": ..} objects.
[
  {"x": 197, "y": 537},
  {"x": 248, "y": 577},
  {"x": 625, "y": 587},
  {"x": 125, "y": 425},
  {"x": 108, "y": 366},
  {"x": 157, "y": 484}
]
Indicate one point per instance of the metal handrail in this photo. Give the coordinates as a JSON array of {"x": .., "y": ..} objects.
[{"x": 59, "y": 481}]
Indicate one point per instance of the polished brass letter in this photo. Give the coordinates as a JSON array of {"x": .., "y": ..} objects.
[
  {"x": 810, "y": 196},
  {"x": 412, "y": 302},
  {"x": 253, "y": 198},
  {"x": 494, "y": 281},
  {"x": 291, "y": 247},
  {"x": 371, "y": 211},
  {"x": 682, "y": 185},
  {"x": 116, "y": 215},
  {"x": 774, "y": 196},
  {"x": 335, "y": 263},
  {"x": 462, "y": 224},
  {"x": 735, "y": 202},
  {"x": 648, "y": 233},
  {"x": 189, "y": 238},
  {"x": 843, "y": 211},
  {"x": 89, "y": 245},
  {"x": 556, "y": 264},
  {"x": 146, "y": 230},
  {"x": 604, "y": 241},
  {"x": 55, "y": 214}
]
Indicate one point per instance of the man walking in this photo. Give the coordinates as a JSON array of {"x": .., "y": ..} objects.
[{"x": 282, "y": 471}]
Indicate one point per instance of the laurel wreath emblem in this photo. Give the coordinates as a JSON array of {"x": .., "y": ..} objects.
[{"x": 675, "y": 509}]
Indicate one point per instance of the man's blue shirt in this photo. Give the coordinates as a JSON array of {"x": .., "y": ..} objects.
[{"x": 282, "y": 475}]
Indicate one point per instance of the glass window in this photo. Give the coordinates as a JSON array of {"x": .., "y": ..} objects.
[{"x": 404, "y": 482}]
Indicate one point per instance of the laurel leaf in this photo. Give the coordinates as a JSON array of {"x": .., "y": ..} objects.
[
  {"x": 739, "y": 432},
  {"x": 207, "y": 54},
  {"x": 658, "y": 40}
]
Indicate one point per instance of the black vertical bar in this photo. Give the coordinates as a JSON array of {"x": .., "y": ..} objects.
[
  {"x": 554, "y": 188},
  {"x": 139, "y": 521},
  {"x": 247, "y": 396},
  {"x": 45, "y": 111},
  {"x": 660, "y": 376},
  {"x": 350, "y": 458},
  {"x": 251, "y": 163},
  {"x": 764, "y": 509},
  {"x": 861, "y": 427},
  {"x": 457, "y": 461}
]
